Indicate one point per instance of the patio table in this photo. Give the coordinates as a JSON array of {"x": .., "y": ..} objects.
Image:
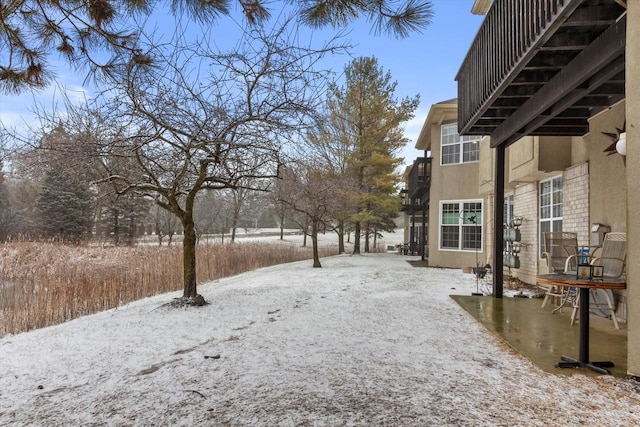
[{"x": 583, "y": 285}]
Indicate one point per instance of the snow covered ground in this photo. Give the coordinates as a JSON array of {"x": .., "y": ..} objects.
[{"x": 366, "y": 340}]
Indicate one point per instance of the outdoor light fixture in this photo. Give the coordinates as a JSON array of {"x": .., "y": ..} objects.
[
  {"x": 621, "y": 145},
  {"x": 618, "y": 144}
]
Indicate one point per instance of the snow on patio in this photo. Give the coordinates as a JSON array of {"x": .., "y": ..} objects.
[{"x": 366, "y": 340}]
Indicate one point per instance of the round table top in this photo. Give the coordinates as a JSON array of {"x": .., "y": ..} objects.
[{"x": 572, "y": 280}]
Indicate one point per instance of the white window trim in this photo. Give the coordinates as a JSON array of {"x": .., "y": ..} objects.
[
  {"x": 480, "y": 222},
  {"x": 551, "y": 218},
  {"x": 461, "y": 144},
  {"x": 510, "y": 198}
]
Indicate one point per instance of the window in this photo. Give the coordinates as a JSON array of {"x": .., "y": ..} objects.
[
  {"x": 456, "y": 148},
  {"x": 550, "y": 207},
  {"x": 461, "y": 225},
  {"x": 508, "y": 208},
  {"x": 508, "y": 217}
]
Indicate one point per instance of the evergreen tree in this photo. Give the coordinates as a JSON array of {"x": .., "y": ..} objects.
[
  {"x": 98, "y": 34},
  {"x": 7, "y": 215},
  {"x": 64, "y": 207},
  {"x": 366, "y": 121}
]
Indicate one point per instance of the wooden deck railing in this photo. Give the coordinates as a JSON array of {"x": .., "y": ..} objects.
[
  {"x": 508, "y": 37},
  {"x": 420, "y": 177}
]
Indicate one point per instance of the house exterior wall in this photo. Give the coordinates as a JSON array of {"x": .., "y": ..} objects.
[
  {"x": 486, "y": 167},
  {"x": 575, "y": 215},
  {"x": 488, "y": 230},
  {"x": 606, "y": 185},
  {"x": 555, "y": 152},
  {"x": 523, "y": 159},
  {"x": 407, "y": 230},
  {"x": 607, "y": 173},
  {"x": 633, "y": 186},
  {"x": 533, "y": 158},
  {"x": 451, "y": 182},
  {"x": 575, "y": 187},
  {"x": 525, "y": 205}
]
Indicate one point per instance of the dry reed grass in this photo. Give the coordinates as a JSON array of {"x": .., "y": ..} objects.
[{"x": 45, "y": 284}]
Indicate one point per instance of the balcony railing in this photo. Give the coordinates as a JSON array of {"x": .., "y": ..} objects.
[
  {"x": 420, "y": 178},
  {"x": 508, "y": 38},
  {"x": 408, "y": 204}
]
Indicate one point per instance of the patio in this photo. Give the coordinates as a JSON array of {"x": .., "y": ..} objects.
[{"x": 542, "y": 336}]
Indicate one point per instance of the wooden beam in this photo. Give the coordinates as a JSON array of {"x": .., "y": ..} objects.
[
  {"x": 577, "y": 97},
  {"x": 555, "y": 17},
  {"x": 554, "y": 95}
]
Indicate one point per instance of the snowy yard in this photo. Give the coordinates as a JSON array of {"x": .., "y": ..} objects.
[{"x": 366, "y": 340}]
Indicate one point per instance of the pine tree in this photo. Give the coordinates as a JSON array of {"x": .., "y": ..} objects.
[
  {"x": 367, "y": 119},
  {"x": 63, "y": 207},
  {"x": 97, "y": 34}
]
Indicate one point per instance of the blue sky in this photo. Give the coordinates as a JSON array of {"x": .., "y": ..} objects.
[{"x": 424, "y": 64}]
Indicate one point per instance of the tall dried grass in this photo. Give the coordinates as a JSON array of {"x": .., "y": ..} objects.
[{"x": 45, "y": 284}]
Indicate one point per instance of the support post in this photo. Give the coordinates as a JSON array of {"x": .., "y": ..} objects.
[
  {"x": 423, "y": 240},
  {"x": 498, "y": 221}
]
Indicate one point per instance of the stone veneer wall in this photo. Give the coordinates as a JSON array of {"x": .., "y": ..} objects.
[
  {"x": 525, "y": 200},
  {"x": 575, "y": 209},
  {"x": 575, "y": 217}
]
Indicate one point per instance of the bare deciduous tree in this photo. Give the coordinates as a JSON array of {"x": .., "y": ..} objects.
[
  {"x": 309, "y": 191},
  {"x": 210, "y": 121}
]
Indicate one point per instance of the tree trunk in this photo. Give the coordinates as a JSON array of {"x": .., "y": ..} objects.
[
  {"x": 282, "y": 219},
  {"x": 356, "y": 239},
  {"x": 366, "y": 239},
  {"x": 234, "y": 226},
  {"x": 341, "y": 237},
  {"x": 375, "y": 239},
  {"x": 314, "y": 243},
  {"x": 189, "y": 257},
  {"x": 116, "y": 227}
]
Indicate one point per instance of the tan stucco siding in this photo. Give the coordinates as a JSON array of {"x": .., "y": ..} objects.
[
  {"x": 451, "y": 183},
  {"x": 555, "y": 153},
  {"x": 633, "y": 185},
  {"x": 607, "y": 182},
  {"x": 534, "y": 158}
]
